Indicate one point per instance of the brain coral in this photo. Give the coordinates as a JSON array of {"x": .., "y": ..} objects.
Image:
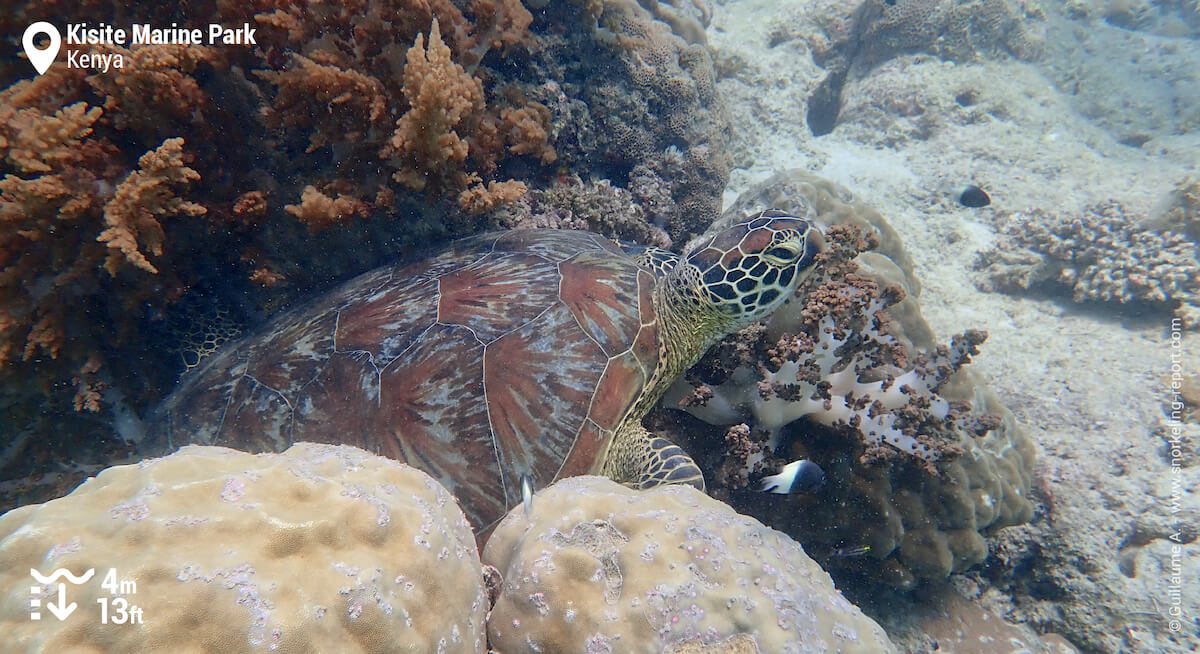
[
  {"x": 318, "y": 549},
  {"x": 920, "y": 460},
  {"x": 597, "y": 567}
]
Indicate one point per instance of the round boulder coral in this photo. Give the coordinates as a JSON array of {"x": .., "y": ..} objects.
[
  {"x": 319, "y": 549},
  {"x": 598, "y": 567}
]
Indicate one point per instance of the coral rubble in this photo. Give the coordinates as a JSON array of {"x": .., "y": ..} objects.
[
  {"x": 599, "y": 567},
  {"x": 324, "y": 548},
  {"x": 921, "y": 461}
]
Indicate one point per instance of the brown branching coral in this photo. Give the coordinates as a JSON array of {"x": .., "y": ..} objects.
[
  {"x": 481, "y": 199},
  {"x": 499, "y": 25},
  {"x": 350, "y": 102},
  {"x": 157, "y": 82},
  {"x": 313, "y": 103},
  {"x": 36, "y": 143},
  {"x": 68, "y": 210},
  {"x": 524, "y": 130},
  {"x": 446, "y": 106},
  {"x": 320, "y": 212},
  {"x": 147, "y": 195},
  {"x": 444, "y": 101}
]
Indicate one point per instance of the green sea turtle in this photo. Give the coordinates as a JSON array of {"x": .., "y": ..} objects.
[{"x": 526, "y": 355}]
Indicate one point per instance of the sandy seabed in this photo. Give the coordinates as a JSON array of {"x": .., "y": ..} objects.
[{"x": 1091, "y": 382}]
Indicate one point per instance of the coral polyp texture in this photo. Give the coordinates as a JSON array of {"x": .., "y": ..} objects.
[
  {"x": 254, "y": 176},
  {"x": 598, "y": 567},
  {"x": 1105, "y": 254},
  {"x": 952, "y": 29},
  {"x": 920, "y": 460},
  {"x": 318, "y": 549}
]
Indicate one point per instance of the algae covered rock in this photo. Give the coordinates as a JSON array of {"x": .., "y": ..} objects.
[
  {"x": 318, "y": 549},
  {"x": 598, "y": 567}
]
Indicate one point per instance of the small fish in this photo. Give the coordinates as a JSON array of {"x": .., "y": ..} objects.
[
  {"x": 974, "y": 197},
  {"x": 527, "y": 494},
  {"x": 843, "y": 552},
  {"x": 801, "y": 476}
]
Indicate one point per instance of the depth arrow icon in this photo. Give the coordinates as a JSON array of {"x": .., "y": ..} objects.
[{"x": 62, "y": 609}]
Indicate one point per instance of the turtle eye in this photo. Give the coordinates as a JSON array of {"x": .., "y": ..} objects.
[{"x": 781, "y": 253}]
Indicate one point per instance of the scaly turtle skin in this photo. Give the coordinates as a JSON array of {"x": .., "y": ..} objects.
[{"x": 530, "y": 352}]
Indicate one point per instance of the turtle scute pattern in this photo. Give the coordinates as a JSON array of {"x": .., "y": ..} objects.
[{"x": 506, "y": 354}]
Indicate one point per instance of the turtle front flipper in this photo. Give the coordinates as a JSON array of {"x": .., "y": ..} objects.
[
  {"x": 667, "y": 463},
  {"x": 643, "y": 460}
]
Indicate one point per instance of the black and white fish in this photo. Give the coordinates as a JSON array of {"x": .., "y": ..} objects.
[{"x": 801, "y": 476}]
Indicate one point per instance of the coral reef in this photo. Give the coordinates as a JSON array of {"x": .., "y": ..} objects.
[
  {"x": 951, "y": 30},
  {"x": 921, "y": 461},
  {"x": 1103, "y": 255},
  {"x": 81, "y": 244},
  {"x": 599, "y": 567},
  {"x": 850, "y": 40},
  {"x": 301, "y": 164},
  {"x": 660, "y": 116},
  {"x": 319, "y": 548},
  {"x": 597, "y": 206}
]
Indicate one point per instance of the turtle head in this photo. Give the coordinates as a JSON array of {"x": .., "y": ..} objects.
[{"x": 750, "y": 268}]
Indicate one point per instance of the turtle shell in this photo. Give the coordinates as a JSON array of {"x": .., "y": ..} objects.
[{"x": 506, "y": 354}]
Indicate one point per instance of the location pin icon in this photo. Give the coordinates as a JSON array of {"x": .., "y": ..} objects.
[{"x": 41, "y": 59}]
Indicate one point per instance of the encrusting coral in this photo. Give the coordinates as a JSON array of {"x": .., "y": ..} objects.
[
  {"x": 596, "y": 566},
  {"x": 952, "y": 30},
  {"x": 1105, "y": 254},
  {"x": 920, "y": 461},
  {"x": 319, "y": 548}
]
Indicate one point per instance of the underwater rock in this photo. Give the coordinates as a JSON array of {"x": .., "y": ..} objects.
[
  {"x": 601, "y": 567},
  {"x": 974, "y": 197},
  {"x": 320, "y": 548}
]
